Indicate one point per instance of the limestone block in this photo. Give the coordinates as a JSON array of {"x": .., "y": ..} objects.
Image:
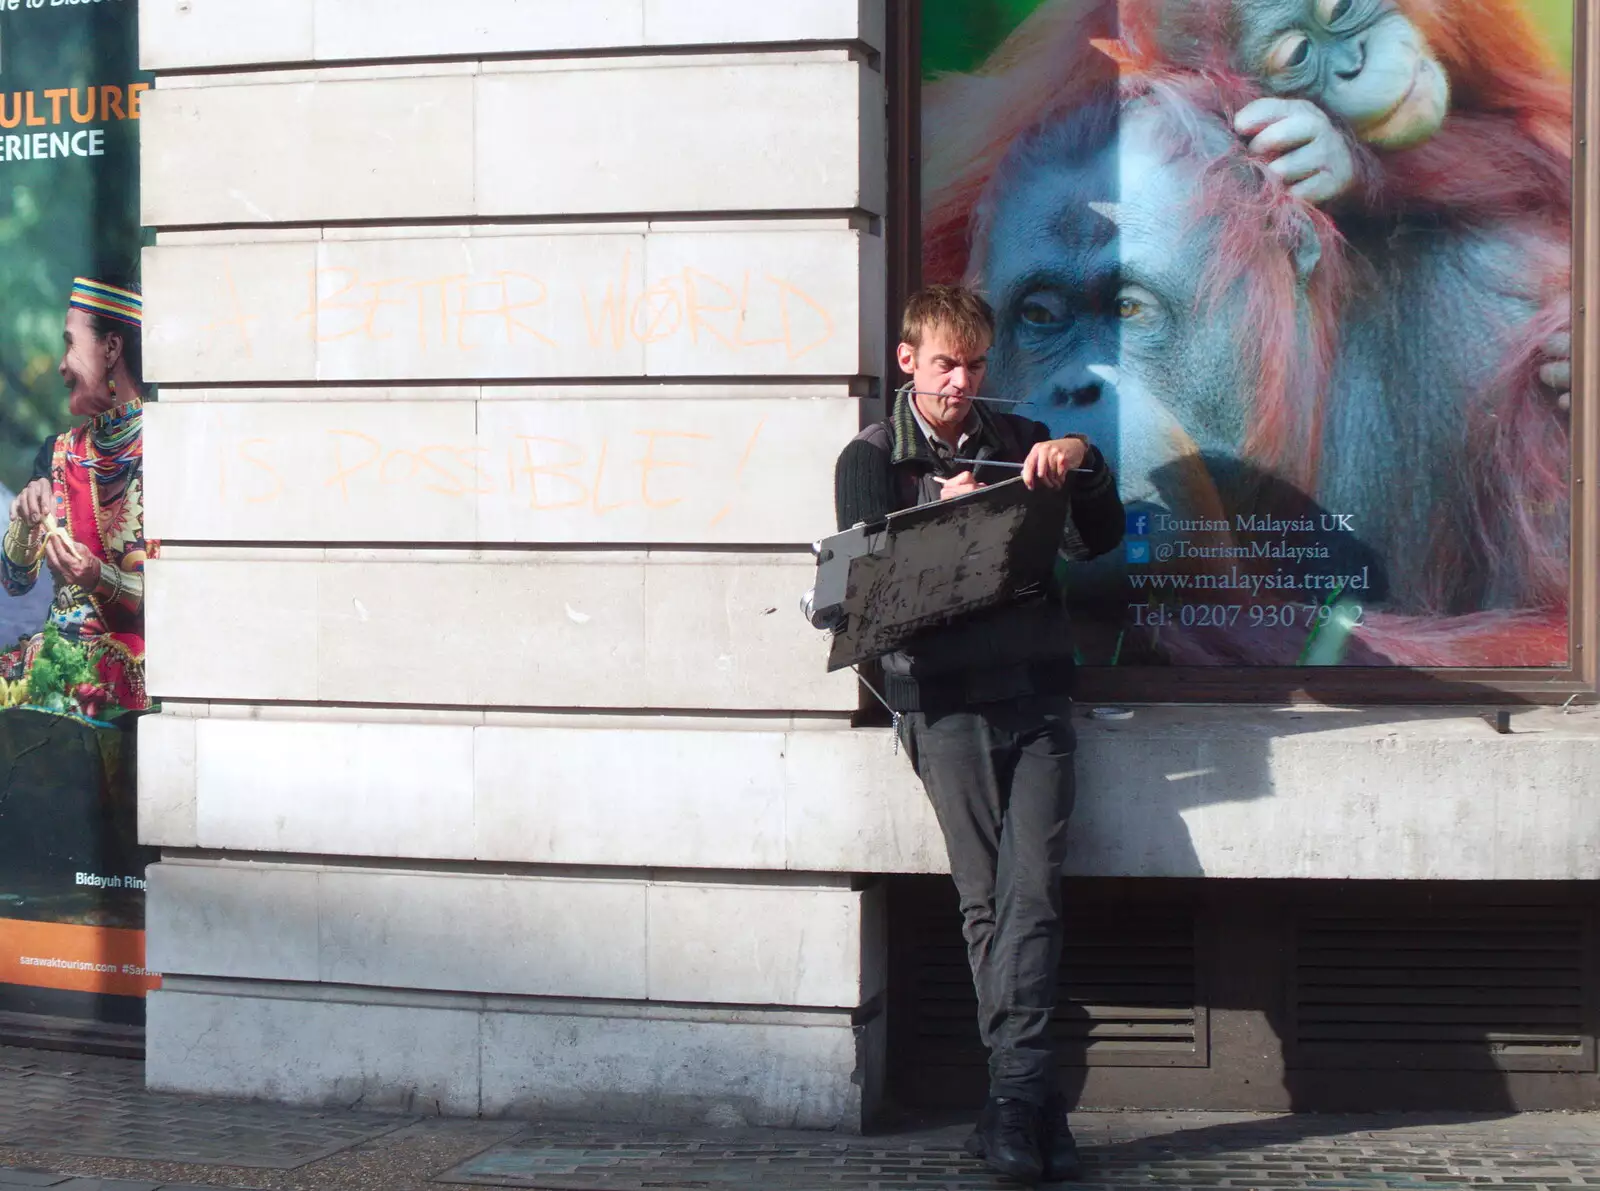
[
  {"x": 779, "y": 301},
  {"x": 705, "y": 22},
  {"x": 716, "y": 796},
  {"x": 1553, "y": 828},
  {"x": 543, "y": 633},
  {"x": 761, "y": 303},
  {"x": 627, "y": 135},
  {"x": 229, "y": 312},
  {"x": 706, "y": 1069},
  {"x": 333, "y": 789},
  {"x": 241, "y": 920},
  {"x": 616, "y": 938},
  {"x": 184, "y": 34},
  {"x": 260, "y": 630},
  {"x": 480, "y": 933},
  {"x": 333, "y": 394},
  {"x": 501, "y": 306},
  {"x": 309, "y": 471},
  {"x": 1364, "y": 826},
  {"x": 684, "y": 799},
  {"x": 657, "y": 136},
  {"x": 1398, "y": 794},
  {"x": 410, "y": 1057},
  {"x": 603, "y": 630},
  {"x": 851, "y": 798},
  {"x": 756, "y": 945},
  {"x": 753, "y": 470},
  {"x": 168, "y": 782},
  {"x": 275, "y": 152},
  {"x": 1167, "y": 770},
  {"x": 576, "y": 793},
  {"x": 470, "y": 1056},
  {"x": 562, "y": 470},
  {"x": 190, "y": 34},
  {"x": 720, "y": 634},
  {"x": 371, "y": 29}
]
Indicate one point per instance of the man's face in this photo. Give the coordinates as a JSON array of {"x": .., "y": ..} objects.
[
  {"x": 85, "y": 366},
  {"x": 946, "y": 376}
]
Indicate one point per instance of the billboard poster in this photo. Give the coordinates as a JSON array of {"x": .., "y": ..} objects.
[
  {"x": 1302, "y": 269},
  {"x": 71, "y": 582}
]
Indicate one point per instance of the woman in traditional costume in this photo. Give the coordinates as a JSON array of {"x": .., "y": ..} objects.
[{"x": 83, "y": 514}]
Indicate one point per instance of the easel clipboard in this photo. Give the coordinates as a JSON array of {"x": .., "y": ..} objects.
[{"x": 879, "y": 584}]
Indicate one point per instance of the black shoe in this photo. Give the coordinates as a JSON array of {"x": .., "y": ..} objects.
[
  {"x": 1007, "y": 1139},
  {"x": 1056, "y": 1147}
]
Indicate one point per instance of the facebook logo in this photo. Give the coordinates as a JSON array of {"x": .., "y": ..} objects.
[
  {"x": 1138, "y": 524},
  {"x": 1138, "y": 552}
]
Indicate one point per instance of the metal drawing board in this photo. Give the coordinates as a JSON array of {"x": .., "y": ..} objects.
[{"x": 878, "y": 585}]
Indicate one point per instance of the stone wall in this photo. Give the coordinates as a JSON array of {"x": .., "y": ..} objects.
[{"x": 504, "y": 349}]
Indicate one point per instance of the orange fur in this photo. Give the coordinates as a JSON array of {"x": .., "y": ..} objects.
[{"x": 1504, "y": 154}]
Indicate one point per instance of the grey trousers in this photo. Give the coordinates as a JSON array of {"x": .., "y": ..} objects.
[{"x": 1000, "y": 777}]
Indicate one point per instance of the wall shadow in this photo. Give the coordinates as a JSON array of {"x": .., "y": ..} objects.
[
  {"x": 1458, "y": 965},
  {"x": 1136, "y": 788}
]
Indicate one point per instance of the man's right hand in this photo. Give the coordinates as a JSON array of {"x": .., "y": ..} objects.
[
  {"x": 34, "y": 503},
  {"x": 958, "y": 485}
]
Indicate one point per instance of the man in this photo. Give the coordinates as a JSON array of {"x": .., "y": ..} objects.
[
  {"x": 992, "y": 742},
  {"x": 83, "y": 513}
]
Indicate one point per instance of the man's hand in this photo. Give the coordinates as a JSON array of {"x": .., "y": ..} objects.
[
  {"x": 72, "y": 562},
  {"x": 958, "y": 485},
  {"x": 1050, "y": 463},
  {"x": 34, "y": 503}
]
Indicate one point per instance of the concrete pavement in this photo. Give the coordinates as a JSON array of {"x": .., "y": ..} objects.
[{"x": 85, "y": 1123}]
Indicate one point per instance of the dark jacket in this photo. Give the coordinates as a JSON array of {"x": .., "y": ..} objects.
[{"x": 998, "y": 653}]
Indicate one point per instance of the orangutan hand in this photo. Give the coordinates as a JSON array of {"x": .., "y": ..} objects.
[
  {"x": 1050, "y": 463},
  {"x": 1556, "y": 372},
  {"x": 34, "y": 503},
  {"x": 72, "y": 562},
  {"x": 1299, "y": 144}
]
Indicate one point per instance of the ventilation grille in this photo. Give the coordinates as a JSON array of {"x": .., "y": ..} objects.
[
  {"x": 1497, "y": 989},
  {"x": 1126, "y": 996}
]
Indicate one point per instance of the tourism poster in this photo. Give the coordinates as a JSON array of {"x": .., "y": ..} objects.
[
  {"x": 1303, "y": 272},
  {"x": 71, "y": 869}
]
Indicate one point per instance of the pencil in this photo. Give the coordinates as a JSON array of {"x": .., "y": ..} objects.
[{"x": 1004, "y": 463}]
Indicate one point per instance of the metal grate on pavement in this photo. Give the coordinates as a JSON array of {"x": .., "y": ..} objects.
[
  {"x": 97, "y": 1107},
  {"x": 658, "y": 1161}
]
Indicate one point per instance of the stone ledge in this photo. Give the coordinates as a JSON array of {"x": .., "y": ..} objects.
[
  {"x": 472, "y": 1056},
  {"x": 611, "y": 934},
  {"x": 217, "y": 34},
  {"x": 1232, "y": 792}
]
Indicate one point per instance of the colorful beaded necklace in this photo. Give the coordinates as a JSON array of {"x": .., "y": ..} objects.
[{"x": 115, "y": 442}]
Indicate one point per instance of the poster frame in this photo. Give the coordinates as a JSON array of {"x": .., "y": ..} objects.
[{"x": 1578, "y": 681}]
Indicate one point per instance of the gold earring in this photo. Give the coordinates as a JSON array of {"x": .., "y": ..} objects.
[{"x": 112, "y": 385}]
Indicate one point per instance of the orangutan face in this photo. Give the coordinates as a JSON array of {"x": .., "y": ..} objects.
[
  {"x": 1094, "y": 270},
  {"x": 1362, "y": 60}
]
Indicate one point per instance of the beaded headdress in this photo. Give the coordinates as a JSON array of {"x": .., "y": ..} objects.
[{"x": 97, "y": 297}]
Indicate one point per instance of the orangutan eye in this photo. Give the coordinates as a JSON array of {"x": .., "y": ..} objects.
[
  {"x": 1042, "y": 309},
  {"x": 1290, "y": 53},
  {"x": 1331, "y": 11},
  {"x": 1138, "y": 307}
]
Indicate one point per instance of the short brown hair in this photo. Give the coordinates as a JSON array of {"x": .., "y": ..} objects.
[{"x": 954, "y": 308}]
